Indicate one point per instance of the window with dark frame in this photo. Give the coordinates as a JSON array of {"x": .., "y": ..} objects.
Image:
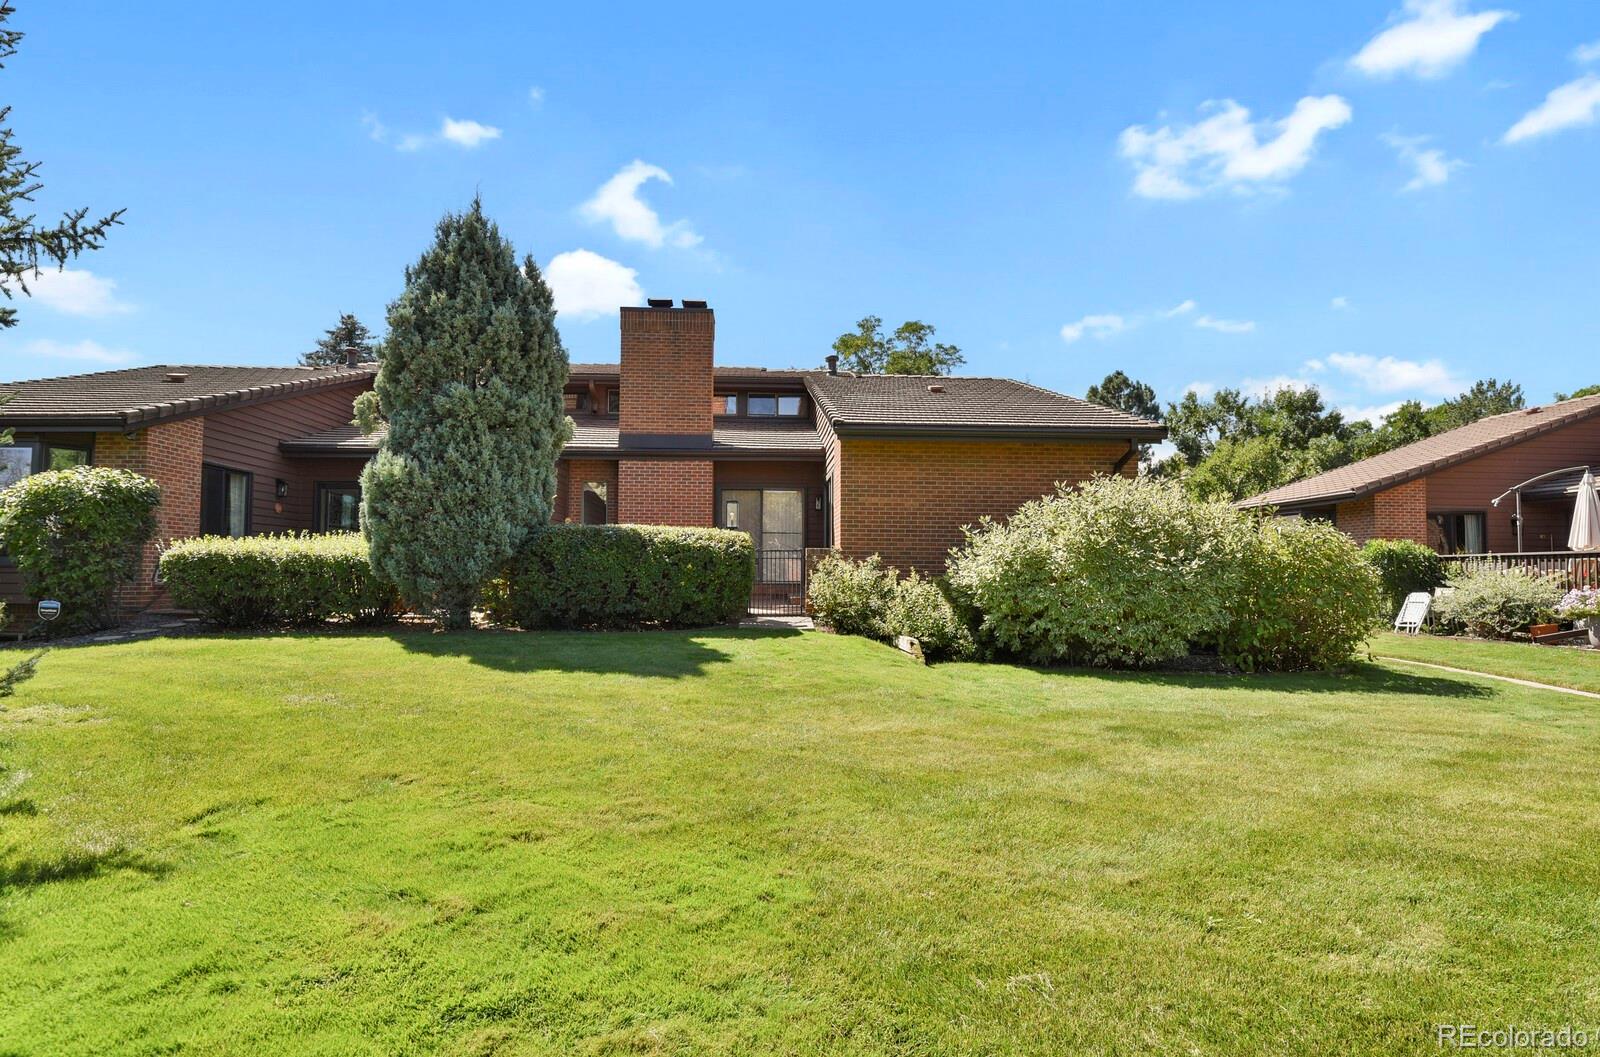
[
  {"x": 224, "y": 501},
  {"x": 613, "y": 401},
  {"x": 339, "y": 507},
  {"x": 1462, "y": 532}
]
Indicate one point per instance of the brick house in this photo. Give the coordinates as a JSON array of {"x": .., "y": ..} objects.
[
  {"x": 1440, "y": 491},
  {"x": 894, "y": 465}
]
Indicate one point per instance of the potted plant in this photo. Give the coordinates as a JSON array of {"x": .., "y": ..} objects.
[{"x": 1581, "y": 605}]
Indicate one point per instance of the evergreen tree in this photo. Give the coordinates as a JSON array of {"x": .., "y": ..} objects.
[
  {"x": 909, "y": 350},
  {"x": 23, "y": 244},
  {"x": 470, "y": 388},
  {"x": 350, "y": 333}
]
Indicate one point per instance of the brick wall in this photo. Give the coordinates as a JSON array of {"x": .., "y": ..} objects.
[
  {"x": 1398, "y": 513},
  {"x": 664, "y": 491},
  {"x": 573, "y": 475},
  {"x": 169, "y": 454},
  {"x": 666, "y": 371},
  {"x": 907, "y": 499}
]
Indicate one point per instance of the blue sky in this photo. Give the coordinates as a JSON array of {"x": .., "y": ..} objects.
[{"x": 1387, "y": 198}]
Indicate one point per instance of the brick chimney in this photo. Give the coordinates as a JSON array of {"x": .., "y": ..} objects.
[{"x": 666, "y": 377}]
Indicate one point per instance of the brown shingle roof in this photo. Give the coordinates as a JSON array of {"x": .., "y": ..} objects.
[
  {"x": 601, "y": 371},
  {"x": 884, "y": 403},
  {"x": 1426, "y": 455},
  {"x": 126, "y": 398}
]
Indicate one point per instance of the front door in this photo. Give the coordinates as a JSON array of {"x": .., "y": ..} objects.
[{"x": 775, "y": 520}]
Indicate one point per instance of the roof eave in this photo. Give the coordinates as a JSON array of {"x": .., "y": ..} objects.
[{"x": 990, "y": 432}]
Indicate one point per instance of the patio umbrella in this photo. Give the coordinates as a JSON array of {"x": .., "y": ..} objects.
[{"x": 1585, "y": 534}]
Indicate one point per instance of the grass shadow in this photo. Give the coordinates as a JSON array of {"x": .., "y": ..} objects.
[
  {"x": 1359, "y": 678},
  {"x": 76, "y": 865},
  {"x": 666, "y": 654}
]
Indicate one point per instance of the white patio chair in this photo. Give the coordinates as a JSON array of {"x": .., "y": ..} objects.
[{"x": 1413, "y": 612}]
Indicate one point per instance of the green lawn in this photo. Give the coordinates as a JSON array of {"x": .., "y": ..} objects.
[
  {"x": 758, "y": 843},
  {"x": 1558, "y": 666}
]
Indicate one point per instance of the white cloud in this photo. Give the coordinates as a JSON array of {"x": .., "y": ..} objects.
[
  {"x": 1375, "y": 414},
  {"x": 618, "y": 204},
  {"x": 1587, "y": 53},
  {"x": 587, "y": 285},
  {"x": 1180, "y": 309},
  {"x": 1314, "y": 366},
  {"x": 77, "y": 292},
  {"x": 1341, "y": 303},
  {"x": 1390, "y": 375},
  {"x": 1432, "y": 38},
  {"x": 1569, "y": 106},
  {"x": 1228, "y": 150},
  {"x": 1429, "y": 165},
  {"x": 1203, "y": 390},
  {"x": 468, "y": 134},
  {"x": 1262, "y": 388},
  {"x": 1097, "y": 326},
  {"x": 91, "y": 351},
  {"x": 1226, "y": 326},
  {"x": 536, "y": 96}
]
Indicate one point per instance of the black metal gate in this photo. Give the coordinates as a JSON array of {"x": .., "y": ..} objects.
[{"x": 780, "y": 587}]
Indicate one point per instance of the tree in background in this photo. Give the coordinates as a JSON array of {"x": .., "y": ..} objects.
[
  {"x": 470, "y": 388},
  {"x": 350, "y": 333},
  {"x": 1588, "y": 390},
  {"x": 1485, "y": 398},
  {"x": 1123, "y": 393},
  {"x": 909, "y": 350},
  {"x": 23, "y": 244}
]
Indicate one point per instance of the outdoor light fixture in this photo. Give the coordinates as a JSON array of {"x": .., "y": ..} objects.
[{"x": 282, "y": 488}]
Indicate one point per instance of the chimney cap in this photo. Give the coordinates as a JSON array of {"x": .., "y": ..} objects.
[
  {"x": 832, "y": 360},
  {"x": 659, "y": 302},
  {"x": 693, "y": 304},
  {"x": 176, "y": 376}
]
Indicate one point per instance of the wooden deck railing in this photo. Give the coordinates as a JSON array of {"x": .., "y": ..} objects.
[{"x": 1573, "y": 569}]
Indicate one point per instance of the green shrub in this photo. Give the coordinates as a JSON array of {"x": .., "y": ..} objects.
[
  {"x": 918, "y": 608},
  {"x": 1121, "y": 572},
  {"x": 623, "y": 576},
  {"x": 1306, "y": 599},
  {"x": 852, "y": 597},
  {"x": 269, "y": 581},
  {"x": 1404, "y": 566},
  {"x": 76, "y": 536},
  {"x": 1497, "y": 603}
]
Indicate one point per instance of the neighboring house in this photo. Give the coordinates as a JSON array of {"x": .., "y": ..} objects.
[
  {"x": 1439, "y": 491},
  {"x": 893, "y": 465}
]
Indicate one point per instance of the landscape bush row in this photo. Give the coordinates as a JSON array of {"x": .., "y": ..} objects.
[
  {"x": 269, "y": 581},
  {"x": 1126, "y": 573}
]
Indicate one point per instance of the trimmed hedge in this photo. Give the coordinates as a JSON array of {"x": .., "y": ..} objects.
[
  {"x": 1404, "y": 566},
  {"x": 268, "y": 581},
  {"x": 76, "y": 536},
  {"x": 625, "y": 576}
]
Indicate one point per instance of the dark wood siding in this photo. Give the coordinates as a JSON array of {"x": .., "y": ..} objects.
[
  {"x": 247, "y": 439},
  {"x": 1470, "y": 485},
  {"x": 742, "y": 473}
]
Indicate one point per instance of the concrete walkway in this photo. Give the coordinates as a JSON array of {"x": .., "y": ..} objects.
[{"x": 1491, "y": 675}]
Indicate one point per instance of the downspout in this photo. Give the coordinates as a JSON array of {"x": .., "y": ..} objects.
[{"x": 1133, "y": 449}]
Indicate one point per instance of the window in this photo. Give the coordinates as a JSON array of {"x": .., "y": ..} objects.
[
  {"x": 725, "y": 404},
  {"x": 338, "y": 507},
  {"x": 775, "y": 519},
  {"x": 594, "y": 503},
  {"x": 1461, "y": 533},
  {"x": 16, "y": 462},
  {"x": 60, "y": 458},
  {"x": 768, "y": 404},
  {"x": 613, "y": 401},
  {"x": 224, "y": 502}
]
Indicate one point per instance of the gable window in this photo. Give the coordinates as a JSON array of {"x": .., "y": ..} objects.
[
  {"x": 725, "y": 404},
  {"x": 339, "y": 507},
  {"x": 613, "y": 401},
  {"x": 770, "y": 404},
  {"x": 224, "y": 501},
  {"x": 1461, "y": 533}
]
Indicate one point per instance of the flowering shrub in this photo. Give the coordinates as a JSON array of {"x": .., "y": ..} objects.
[
  {"x": 1580, "y": 603},
  {"x": 1498, "y": 603},
  {"x": 852, "y": 597},
  {"x": 918, "y": 608}
]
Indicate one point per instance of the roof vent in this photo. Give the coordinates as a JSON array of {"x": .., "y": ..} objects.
[
  {"x": 176, "y": 376},
  {"x": 659, "y": 302},
  {"x": 936, "y": 388}
]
